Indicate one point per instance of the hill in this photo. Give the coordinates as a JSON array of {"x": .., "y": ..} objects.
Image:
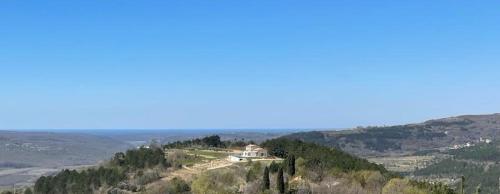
[
  {"x": 320, "y": 158},
  {"x": 47, "y": 149},
  {"x": 306, "y": 168},
  {"x": 24, "y": 156},
  {"x": 479, "y": 164},
  {"x": 408, "y": 139}
]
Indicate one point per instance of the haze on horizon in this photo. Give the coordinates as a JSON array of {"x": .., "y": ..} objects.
[{"x": 245, "y": 64}]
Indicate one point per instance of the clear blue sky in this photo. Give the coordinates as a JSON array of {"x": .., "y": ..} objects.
[{"x": 245, "y": 64}]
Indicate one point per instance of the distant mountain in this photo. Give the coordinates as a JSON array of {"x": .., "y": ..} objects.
[{"x": 408, "y": 139}]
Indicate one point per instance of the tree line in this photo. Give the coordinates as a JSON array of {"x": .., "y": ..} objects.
[
  {"x": 320, "y": 158},
  {"x": 213, "y": 141},
  {"x": 87, "y": 181}
]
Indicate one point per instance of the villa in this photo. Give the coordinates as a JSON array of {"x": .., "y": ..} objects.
[{"x": 252, "y": 151}]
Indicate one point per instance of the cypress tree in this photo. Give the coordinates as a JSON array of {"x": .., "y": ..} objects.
[
  {"x": 462, "y": 184},
  {"x": 266, "y": 179},
  {"x": 291, "y": 165},
  {"x": 273, "y": 167},
  {"x": 280, "y": 182}
]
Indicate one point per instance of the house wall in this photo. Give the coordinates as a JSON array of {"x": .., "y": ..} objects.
[
  {"x": 255, "y": 154},
  {"x": 234, "y": 159}
]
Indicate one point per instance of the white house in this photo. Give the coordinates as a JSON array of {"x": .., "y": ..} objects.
[{"x": 254, "y": 151}]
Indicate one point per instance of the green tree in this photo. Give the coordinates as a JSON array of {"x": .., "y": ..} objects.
[
  {"x": 266, "y": 179},
  {"x": 177, "y": 185},
  {"x": 291, "y": 165},
  {"x": 462, "y": 185},
  {"x": 300, "y": 166},
  {"x": 280, "y": 181},
  {"x": 212, "y": 141},
  {"x": 274, "y": 167},
  {"x": 254, "y": 171},
  {"x": 28, "y": 191}
]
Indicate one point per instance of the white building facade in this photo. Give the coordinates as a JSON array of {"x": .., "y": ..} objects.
[{"x": 254, "y": 151}]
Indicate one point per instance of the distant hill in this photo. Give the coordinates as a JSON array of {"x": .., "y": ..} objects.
[
  {"x": 479, "y": 164},
  {"x": 46, "y": 149},
  {"x": 24, "y": 156},
  {"x": 408, "y": 139}
]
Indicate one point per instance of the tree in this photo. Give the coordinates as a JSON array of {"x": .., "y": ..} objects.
[
  {"x": 212, "y": 182},
  {"x": 402, "y": 186},
  {"x": 300, "y": 167},
  {"x": 28, "y": 191},
  {"x": 478, "y": 189},
  {"x": 266, "y": 179},
  {"x": 177, "y": 185},
  {"x": 212, "y": 141},
  {"x": 280, "y": 182},
  {"x": 291, "y": 165},
  {"x": 119, "y": 158},
  {"x": 254, "y": 171},
  {"x": 274, "y": 167},
  {"x": 462, "y": 185}
]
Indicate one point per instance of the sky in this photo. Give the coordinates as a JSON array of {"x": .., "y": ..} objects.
[{"x": 118, "y": 64}]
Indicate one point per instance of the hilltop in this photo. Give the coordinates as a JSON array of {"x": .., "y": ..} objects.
[
  {"x": 440, "y": 150},
  {"x": 438, "y": 134}
]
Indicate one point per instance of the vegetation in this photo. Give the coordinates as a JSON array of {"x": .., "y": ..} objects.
[
  {"x": 326, "y": 165},
  {"x": 92, "y": 179},
  {"x": 307, "y": 167},
  {"x": 274, "y": 167},
  {"x": 405, "y": 186},
  {"x": 213, "y": 141},
  {"x": 462, "y": 184},
  {"x": 28, "y": 191},
  {"x": 290, "y": 161},
  {"x": 380, "y": 139},
  {"x": 280, "y": 181},
  {"x": 254, "y": 172},
  {"x": 265, "y": 178},
  {"x": 79, "y": 182},
  {"x": 480, "y": 152},
  {"x": 318, "y": 158},
  {"x": 216, "y": 182},
  {"x": 141, "y": 158},
  {"x": 177, "y": 186},
  {"x": 476, "y": 173}
]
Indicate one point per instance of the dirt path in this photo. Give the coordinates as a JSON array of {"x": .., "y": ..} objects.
[{"x": 188, "y": 173}]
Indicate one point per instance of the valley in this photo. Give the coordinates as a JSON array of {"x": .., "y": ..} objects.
[{"x": 436, "y": 151}]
